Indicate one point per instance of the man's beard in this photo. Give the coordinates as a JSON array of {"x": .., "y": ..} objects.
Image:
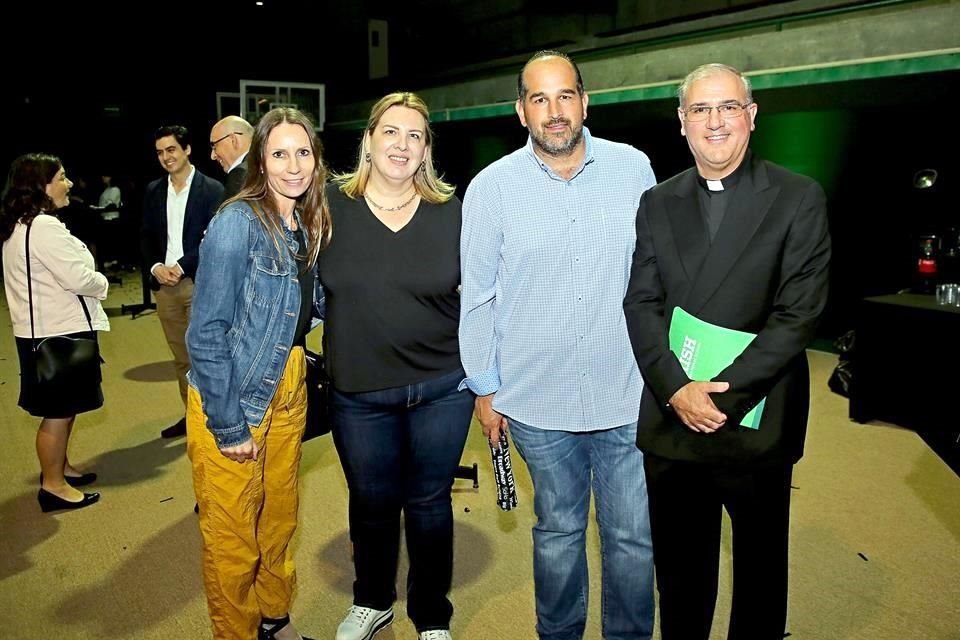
[{"x": 554, "y": 146}]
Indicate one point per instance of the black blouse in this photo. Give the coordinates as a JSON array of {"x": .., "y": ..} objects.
[{"x": 392, "y": 304}]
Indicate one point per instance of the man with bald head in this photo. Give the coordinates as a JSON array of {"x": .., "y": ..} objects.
[
  {"x": 546, "y": 241},
  {"x": 229, "y": 144}
]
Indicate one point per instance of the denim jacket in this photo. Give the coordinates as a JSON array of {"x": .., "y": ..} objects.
[{"x": 246, "y": 301}]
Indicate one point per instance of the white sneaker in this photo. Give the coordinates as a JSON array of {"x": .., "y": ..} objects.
[
  {"x": 361, "y": 623},
  {"x": 435, "y": 634}
]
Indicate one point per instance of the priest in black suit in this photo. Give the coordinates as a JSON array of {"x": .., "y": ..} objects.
[
  {"x": 741, "y": 243},
  {"x": 229, "y": 144}
]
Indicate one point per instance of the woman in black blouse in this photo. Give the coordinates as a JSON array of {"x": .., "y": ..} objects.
[{"x": 391, "y": 274}]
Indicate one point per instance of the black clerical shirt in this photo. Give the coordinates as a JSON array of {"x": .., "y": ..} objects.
[{"x": 714, "y": 201}]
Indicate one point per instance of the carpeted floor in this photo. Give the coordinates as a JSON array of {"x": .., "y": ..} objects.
[{"x": 875, "y": 531}]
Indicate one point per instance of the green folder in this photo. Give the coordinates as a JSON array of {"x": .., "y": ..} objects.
[{"x": 705, "y": 349}]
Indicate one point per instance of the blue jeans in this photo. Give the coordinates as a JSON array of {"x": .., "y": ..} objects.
[
  {"x": 399, "y": 449},
  {"x": 563, "y": 465}
]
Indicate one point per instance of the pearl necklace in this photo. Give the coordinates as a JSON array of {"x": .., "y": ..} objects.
[{"x": 396, "y": 208}]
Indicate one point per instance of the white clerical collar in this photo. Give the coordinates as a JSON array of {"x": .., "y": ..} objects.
[{"x": 715, "y": 185}]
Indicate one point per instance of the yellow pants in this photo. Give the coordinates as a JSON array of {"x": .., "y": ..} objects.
[{"x": 248, "y": 511}]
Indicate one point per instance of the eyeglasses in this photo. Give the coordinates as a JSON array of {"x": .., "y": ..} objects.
[
  {"x": 214, "y": 143},
  {"x": 726, "y": 111}
]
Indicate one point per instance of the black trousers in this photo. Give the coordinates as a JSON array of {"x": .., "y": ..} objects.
[{"x": 686, "y": 503}]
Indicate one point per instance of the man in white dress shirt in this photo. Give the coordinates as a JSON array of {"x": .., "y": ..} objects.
[{"x": 176, "y": 211}]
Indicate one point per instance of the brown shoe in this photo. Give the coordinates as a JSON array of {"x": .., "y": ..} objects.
[{"x": 175, "y": 430}]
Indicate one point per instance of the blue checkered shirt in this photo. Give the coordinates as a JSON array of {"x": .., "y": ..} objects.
[{"x": 545, "y": 264}]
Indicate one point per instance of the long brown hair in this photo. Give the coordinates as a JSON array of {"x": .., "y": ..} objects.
[
  {"x": 312, "y": 205},
  {"x": 429, "y": 185},
  {"x": 25, "y": 193}
]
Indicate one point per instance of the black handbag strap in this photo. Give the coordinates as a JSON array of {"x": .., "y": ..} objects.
[{"x": 33, "y": 337}]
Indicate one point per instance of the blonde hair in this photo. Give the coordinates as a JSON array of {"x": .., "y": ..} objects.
[
  {"x": 312, "y": 205},
  {"x": 428, "y": 184}
]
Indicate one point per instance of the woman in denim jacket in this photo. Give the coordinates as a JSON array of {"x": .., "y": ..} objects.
[{"x": 255, "y": 289}]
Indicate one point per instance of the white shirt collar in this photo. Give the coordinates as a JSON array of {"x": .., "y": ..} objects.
[
  {"x": 237, "y": 162},
  {"x": 187, "y": 184}
]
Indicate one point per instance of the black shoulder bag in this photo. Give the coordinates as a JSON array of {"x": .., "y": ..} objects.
[
  {"x": 62, "y": 361},
  {"x": 319, "y": 420}
]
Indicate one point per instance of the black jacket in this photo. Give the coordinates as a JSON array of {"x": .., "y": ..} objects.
[
  {"x": 766, "y": 272},
  {"x": 235, "y": 180},
  {"x": 205, "y": 197}
]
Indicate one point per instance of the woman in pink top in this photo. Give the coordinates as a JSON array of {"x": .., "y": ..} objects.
[{"x": 64, "y": 280}]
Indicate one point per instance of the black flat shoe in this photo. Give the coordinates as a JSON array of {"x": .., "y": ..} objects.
[
  {"x": 52, "y": 502},
  {"x": 276, "y": 625},
  {"x": 77, "y": 481},
  {"x": 176, "y": 430},
  {"x": 81, "y": 480}
]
